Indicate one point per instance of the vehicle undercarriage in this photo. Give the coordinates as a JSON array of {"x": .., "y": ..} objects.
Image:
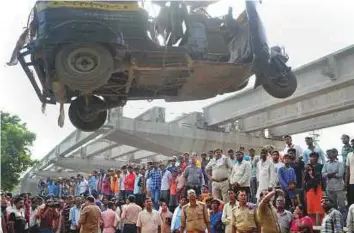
[{"x": 97, "y": 56}]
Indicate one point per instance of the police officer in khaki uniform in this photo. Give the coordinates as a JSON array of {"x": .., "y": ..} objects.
[
  {"x": 195, "y": 218},
  {"x": 220, "y": 167},
  {"x": 244, "y": 217}
]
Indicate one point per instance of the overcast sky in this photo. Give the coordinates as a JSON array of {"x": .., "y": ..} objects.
[{"x": 308, "y": 30}]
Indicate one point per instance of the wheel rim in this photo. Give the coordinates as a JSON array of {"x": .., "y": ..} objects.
[
  {"x": 83, "y": 60},
  {"x": 281, "y": 80},
  {"x": 86, "y": 116}
]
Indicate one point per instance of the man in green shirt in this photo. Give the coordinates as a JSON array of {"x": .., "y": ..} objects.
[{"x": 346, "y": 149}]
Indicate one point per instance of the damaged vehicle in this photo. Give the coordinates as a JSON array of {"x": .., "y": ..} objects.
[{"x": 97, "y": 55}]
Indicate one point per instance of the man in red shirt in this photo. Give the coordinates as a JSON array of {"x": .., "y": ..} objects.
[
  {"x": 129, "y": 182},
  {"x": 27, "y": 202},
  {"x": 47, "y": 215}
]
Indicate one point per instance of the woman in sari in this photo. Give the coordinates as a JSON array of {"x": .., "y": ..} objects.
[
  {"x": 301, "y": 223},
  {"x": 313, "y": 188}
]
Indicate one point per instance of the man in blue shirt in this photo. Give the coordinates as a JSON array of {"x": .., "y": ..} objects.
[
  {"x": 233, "y": 158},
  {"x": 173, "y": 166},
  {"x": 287, "y": 181},
  {"x": 216, "y": 224},
  {"x": 310, "y": 149},
  {"x": 92, "y": 183},
  {"x": 51, "y": 187},
  {"x": 177, "y": 214},
  {"x": 156, "y": 178},
  {"x": 74, "y": 215}
]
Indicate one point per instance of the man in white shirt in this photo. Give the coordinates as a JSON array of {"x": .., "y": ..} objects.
[
  {"x": 177, "y": 216},
  {"x": 165, "y": 183},
  {"x": 277, "y": 164},
  {"x": 33, "y": 214},
  {"x": 227, "y": 211},
  {"x": 83, "y": 185},
  {"x": 349, "y": 180},
  {"x": 74, "y": 215},
  {"x": 289, "y": 144},
  {"x": 350, "y": 219},
  {"x": 253, "y": 186},
  {"x": 149, "y": 220},
  {"x": 17, "y": 221},
  {"x": 122, "y": 176},
  {"x": 241, "y": 174},
  {"x": 265, "y": 173}
]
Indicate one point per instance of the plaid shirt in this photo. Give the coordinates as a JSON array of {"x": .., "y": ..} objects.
[
  {"x": 332, "y": 222},
  {"x": 156, "y": 177}
]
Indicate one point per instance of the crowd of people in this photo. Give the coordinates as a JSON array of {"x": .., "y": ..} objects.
[{"x": 293, "y": 190}]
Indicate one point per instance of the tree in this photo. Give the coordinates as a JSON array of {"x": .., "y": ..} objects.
[{"x": 16, "y": 141}]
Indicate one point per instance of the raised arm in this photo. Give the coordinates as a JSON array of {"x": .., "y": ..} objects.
[{"x": 267, "y": 198}]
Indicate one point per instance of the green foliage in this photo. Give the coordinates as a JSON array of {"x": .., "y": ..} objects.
[{"x": 16, "y": 141}]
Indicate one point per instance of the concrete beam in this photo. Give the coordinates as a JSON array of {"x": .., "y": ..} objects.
[
  {"x": 194, "y": 119},
  {"x": 70, "y": 144},
  {"x": 100, "y": 147},
  {"x": 122, "y": 151},
  {"x": 169, "y": 139},
  {"x": 129, "y": 154},
  {"x": 335, "y": 99},
  {"x": 143, "y": 154},
  {"x": 156, "y": 158},
  {"x": 318, "y": 77},
  {"x": 320, "y": 122},
  {"x": 154, "y": 114},
  {"x": 53, "y": 174},
  {"x": 113, "y": 114},
  {"x": 88, "y": 165}
]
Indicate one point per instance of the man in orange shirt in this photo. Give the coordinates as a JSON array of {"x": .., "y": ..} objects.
[
  {"x": 114, "y": 182},
  {"x": 173, "y": 192},
  {"x": 129, "y": 182}
]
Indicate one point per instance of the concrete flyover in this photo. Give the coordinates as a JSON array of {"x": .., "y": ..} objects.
[
  {"x": 324, "y": 98},
  {"x": 147, "y": 137}
]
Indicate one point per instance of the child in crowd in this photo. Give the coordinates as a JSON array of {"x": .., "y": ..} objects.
[
  {"x": 205, "y": 194},
  {"x": 287, "y": 181}
]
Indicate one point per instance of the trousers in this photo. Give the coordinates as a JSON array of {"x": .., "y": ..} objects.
[{"x": 338, "y": 198}]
